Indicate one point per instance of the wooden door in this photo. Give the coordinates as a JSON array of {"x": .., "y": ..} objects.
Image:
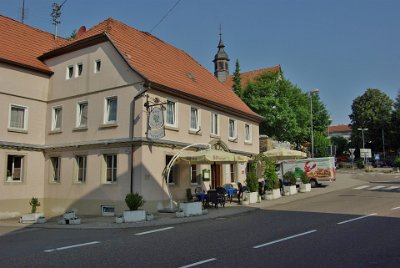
[{"x": 216, "y": 175}]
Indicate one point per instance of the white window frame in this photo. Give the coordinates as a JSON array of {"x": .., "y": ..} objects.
[
  {"x": 214, "y": 124},
  {"x": 234, "y": 134},
  {"x": 97, "y": 68},
  {"x": 78, "y": 179},
  {"x": 79, "y": 109},
  {"x": 107, "y": 110},
  {"x": 77, "y": 74},
  {"x": 232, "y": 172},
  {"x": 248, "y": 138},
  {"x": 55, "y": 170},
  {"x": 195, "y": 180},
  {"x": 25, "y": 123},
  {"x": 69, "y": 73},
  {"x": 11, "y": 169},
  {"x": 55, "y": 117},
  {"x": 113, "y": 168},
  {"x": 197, "y": 128},
  {"x": 175, "y": 114}
]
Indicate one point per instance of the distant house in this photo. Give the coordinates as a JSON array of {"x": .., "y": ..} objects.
[
  {"x": 80, "y": 126},
  {"x": 343, "y": 131}
]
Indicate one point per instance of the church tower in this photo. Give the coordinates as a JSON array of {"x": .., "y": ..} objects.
[{"x": 221, "y": 68}]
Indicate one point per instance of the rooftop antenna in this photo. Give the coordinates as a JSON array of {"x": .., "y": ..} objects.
[
  {"x": 55, "y": 14},
  {"x": 23, "y": 11}
]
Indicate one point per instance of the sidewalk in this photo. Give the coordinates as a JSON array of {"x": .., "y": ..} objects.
[{"x": 163, "y": 219}]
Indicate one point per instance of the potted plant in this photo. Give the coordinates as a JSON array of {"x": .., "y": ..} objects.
[
  {"x": 134, "y": 201},
  {"x": 252, "y": 186},
  {"x": 190, "y": 207},
  {"x": 290, "y": 183},
  {"x": 33, "y": 216},
  {"x": 272, "y": 181},
  {"x": 305, "y": 185}
]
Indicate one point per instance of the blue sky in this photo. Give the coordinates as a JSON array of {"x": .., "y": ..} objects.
[{"x": 341, "y": 47}]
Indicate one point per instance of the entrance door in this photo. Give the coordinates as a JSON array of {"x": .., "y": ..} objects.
[{"x": 215, "y": 175}]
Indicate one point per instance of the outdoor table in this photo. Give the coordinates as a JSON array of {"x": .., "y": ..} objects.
[
  {"x": 230, "y": 192},
  {"x": 202, "y": 197}
]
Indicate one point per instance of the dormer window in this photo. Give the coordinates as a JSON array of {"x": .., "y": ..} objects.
[
  {"x": 97, "y": 66},
  {"x": 70, "y": 72}
]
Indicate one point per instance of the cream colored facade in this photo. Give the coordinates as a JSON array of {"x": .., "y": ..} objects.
[{"x": 67, "y": 122}]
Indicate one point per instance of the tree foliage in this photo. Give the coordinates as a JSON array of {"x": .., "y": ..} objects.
[
  {"x": 321, "y": 144},
  {"x": 372, "y": 110},
  {"x": 285, "y": 107},
  {"x": 342, "y": 145},
  {"x": 237, "y": 80}
]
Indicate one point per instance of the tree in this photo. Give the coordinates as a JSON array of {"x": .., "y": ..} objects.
[
  {"x": 394, "y": 133},
  {"x": 285, "y": 107},
  {"x": 342, "y": 145},
  {"x": 72, "y": 36},
  {"x": 237, "y": 80},
  {"x": 372, "y": 110},
  {"x": 321, "y": 144}
]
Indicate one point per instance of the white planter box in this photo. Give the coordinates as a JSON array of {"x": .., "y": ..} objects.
[
  {"x": 119, "y": 219},
  {"x": 274, "y": 194},
  {"x": 290, "y": 190},
  {"x": 74, "y": 221},
  {"x": 191, "y": 208},
  {"x": 30, "y": 217},
  {"x": 305, "y": 187},
  {"x": 134, "y": 215},
  {"x": 180, "y": 214},
  {"x": 69, "y": 215},
  {"x": 252, "y": 197}
]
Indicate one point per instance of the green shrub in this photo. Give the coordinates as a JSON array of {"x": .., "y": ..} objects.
[
  {"x": 252, "y": 182},
  {"x": 304, "y": 178},
  {"x": 134, "y": 201},
  {"x": 290, "y": 177},
  {"x": 34, "y": 204},
  {"x": 397, "y": 162},
  {"x": 270, "y": 175},
  {"x": 189, "y": 195},
  {"x": 360, "y": 163}
]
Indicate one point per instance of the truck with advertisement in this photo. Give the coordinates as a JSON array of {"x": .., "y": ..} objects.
[{"x": 319, "y": 170}]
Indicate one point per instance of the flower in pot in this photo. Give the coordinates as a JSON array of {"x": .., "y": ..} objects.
[
  {"x": 34, "y": 204},
  {"x": 134, "y": 201},
  {"x": 304, "y": 178},
  {"x": 252, "y": 182},
  {"x": 290, "y": 178}
]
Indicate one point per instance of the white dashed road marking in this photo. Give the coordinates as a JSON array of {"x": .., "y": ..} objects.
[
  {"x": 377, "y": 187},
  {"x": 154, "y": 231},
  {"x": 359, "y": 218},
  {"x": 362, "y": 187},
  {"x": 72, "y": 246},
  {"x": 284, "y": 239},
  {"x": 198, "y": 263}
]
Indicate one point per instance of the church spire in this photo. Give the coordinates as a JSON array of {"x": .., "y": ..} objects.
[{"x": 221, "y": 68}]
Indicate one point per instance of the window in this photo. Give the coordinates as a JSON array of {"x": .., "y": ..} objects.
[
  {"x": 173, "y": 174},
  {"x": 57, "y": 118},
  {"x": 18, "y": 117},
  {"x": 193, "y": 174},
  {"x": 247, "y": 133},
  {"x": 79, "y": 69},
  {"x": 70, "y": 72},
  {"x": 214, "y": 124},
  {"x": 55, "y": 163},
  {"x": 15, "y": 167},
  {"x": 232, "y": 172},
  {"x": 81, "y": 162},
  {"x": 97, "y": 66},
  {"x": 194, "y": 119},
  {"x": 232, "y": 129},
  {"x": 82, "y": 114},
  {"x": 110, "y": 115},
  {"x": 171, "y": 118},
  {"x": 111, "y": 167}
]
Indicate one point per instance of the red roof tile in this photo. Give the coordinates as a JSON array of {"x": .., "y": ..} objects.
[
  {"x": 339, "y": 128},
  {"x": 249, "y": 76},
  {"x": 22, "y": 45},
  {"x": 166, "y": 65}
]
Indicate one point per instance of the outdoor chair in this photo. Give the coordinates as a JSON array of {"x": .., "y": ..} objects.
[
  {"x": 221, "y": 191},
  {"x": 212, "y": 198}
]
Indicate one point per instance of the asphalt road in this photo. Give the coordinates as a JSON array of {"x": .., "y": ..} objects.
[{"x": 353, "y": 227}]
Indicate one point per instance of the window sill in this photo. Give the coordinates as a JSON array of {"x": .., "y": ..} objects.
[
  {"x": 79, "y": 182},
  {"x": 77, "y": 129},
  {"x": 52, "y": 132},
  {"x": 54, "y": 182},
  {"x": 108, "y": 125},
  {"x": 173, "y": 128},
  {"x": 214, "y": 136},
  {"x": 235, "y": 140},
  {"x": 7, "y": 181},
  {"x": 110, "y": 183},
  {"x": 248, "y": 142},
  {"x": 195, "y": 132},
  {"x": 18, "y": 130},
  {"x": 172, "y": 184}
]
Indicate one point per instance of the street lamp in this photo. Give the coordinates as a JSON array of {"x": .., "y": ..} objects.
[
  {"x": 312, "y": 128},
  {"x": 362, "y": 133}
]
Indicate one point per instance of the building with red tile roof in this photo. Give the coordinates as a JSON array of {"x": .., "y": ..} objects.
[
  {"x": 340, "y": 131},
  {"x": 88, "y": 120}
]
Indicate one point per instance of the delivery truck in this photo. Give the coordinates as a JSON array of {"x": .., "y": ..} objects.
[{"x": 319, "y": 170}]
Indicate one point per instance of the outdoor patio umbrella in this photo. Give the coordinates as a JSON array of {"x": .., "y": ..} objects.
[
  {"x": 283, "y": 154},
  {"x": 211, "y": 156}
]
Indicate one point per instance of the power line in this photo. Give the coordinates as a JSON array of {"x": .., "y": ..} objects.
[{"x": 165, "y": 16}]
